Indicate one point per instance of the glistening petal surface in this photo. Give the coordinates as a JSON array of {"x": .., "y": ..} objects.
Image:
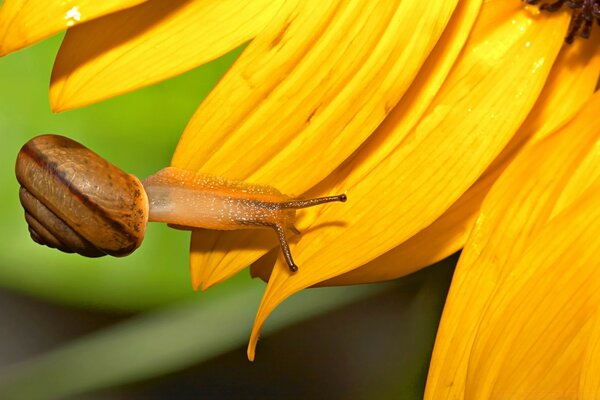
[
  {"x": 406, "y": 114},
  {"x": 516, "y": 209},
  {"x": 150, "y": 43},
  {"x": 486, "y": 97},
  {"x": 309, "y": 89},
  {"x": 416, "y": 100},
  {"x": 24, "y": 22},
  {"x": 570, "y": 84},
  {"x": 589, "y": 384},
  {"x": 534, "y": 332},
  {"x": 307, "y": 92}
]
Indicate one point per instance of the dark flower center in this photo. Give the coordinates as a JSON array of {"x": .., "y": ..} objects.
[{"x": 584, "y": 12}]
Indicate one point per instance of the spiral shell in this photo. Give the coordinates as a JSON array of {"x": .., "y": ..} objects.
[{"x": 76, "y": 201}]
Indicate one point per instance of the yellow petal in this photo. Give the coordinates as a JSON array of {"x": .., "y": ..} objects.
[
  {"x": 211, "y": 252},
  {"x": 589, "y": 388},
  {"x": 24, "y": 22},
  {"x": 486, "y": 97},
  {"x": 308, "y": 91},
  {"x": 263, "y": 267},
  {"x": 150, "y": 43},
  {"x": 514, "y": 211},
  {"x": 570, "y": 84},
  {"x": 586, "y": 173},
  {"x": 534, "y": 331},
  {"x": 416, "y": 100},
  {"x": 269, "y": 134}
]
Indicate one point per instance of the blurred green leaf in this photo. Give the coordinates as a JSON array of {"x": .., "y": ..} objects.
[{"x": 138, "y": 132}]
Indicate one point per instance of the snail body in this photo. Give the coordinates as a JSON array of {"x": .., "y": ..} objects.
[
  {"x": 76, "y": 201},
  {"x": 186, "y": 199}
]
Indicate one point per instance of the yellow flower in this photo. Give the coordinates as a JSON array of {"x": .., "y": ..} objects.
[
  {"x": 448, "y": 124},
  {"x": 519, "y": 318}
]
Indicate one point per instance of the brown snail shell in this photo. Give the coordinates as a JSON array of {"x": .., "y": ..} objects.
[{"x": 76, "y": 201}]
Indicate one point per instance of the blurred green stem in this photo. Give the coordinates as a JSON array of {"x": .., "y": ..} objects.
[{"x": 163, "y": 341}]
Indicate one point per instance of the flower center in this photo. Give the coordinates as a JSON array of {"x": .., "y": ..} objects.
[{"x": 582, "y": 19}]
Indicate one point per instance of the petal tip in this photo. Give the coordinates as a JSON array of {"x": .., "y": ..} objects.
[
  {"x": 195, "y": 279},
  {"x": 63, "y": 98},
  {"x": 56, "y": 105},
  {"x": 251, "y": 349},
  {"x": 56, "y": 110}
]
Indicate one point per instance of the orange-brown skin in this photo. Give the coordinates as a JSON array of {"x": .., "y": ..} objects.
[
  {"x": 78, "y": 202},
  {"x": 187, "y": 199}
]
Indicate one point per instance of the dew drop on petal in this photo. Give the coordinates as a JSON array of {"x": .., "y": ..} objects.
[
  {"x": 72, "y": 16},
  {"x": 538, "y": 64},
  {"x": 532, "y": 10}
]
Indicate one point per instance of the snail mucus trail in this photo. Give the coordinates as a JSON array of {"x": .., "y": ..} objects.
[{"x": 77, "y": 202}]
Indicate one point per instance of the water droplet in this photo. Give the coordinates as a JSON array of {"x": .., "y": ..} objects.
[
  {"x": 538, "y": 64},
  {"x": 72, "y": 15}
]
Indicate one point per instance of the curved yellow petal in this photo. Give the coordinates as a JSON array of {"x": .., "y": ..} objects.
[
  {"x": 24, "y": 22},
  {"x": 150, "y": 43},
  {"x": 486, "y": 97},
  {"x": 583, "y": 177},
  {"x": 263, "y": 267},
  {"x": 362, "y": 44},
  {"x": 589, "y": 384},
  {"x": 308, "y": 91},
  {"x": 516, "y": 209},
  {"x": 211, "y": 260},
  {"x": 570, "y": 84},
  {"x": 534, "y": 331},
  {"x": 416, "y": 100}
]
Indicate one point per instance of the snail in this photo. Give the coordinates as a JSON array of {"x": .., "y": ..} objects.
[{"x": 77, "y": 202}]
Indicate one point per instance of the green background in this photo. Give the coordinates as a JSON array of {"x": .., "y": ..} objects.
[{"x": 137, "y": 132}]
